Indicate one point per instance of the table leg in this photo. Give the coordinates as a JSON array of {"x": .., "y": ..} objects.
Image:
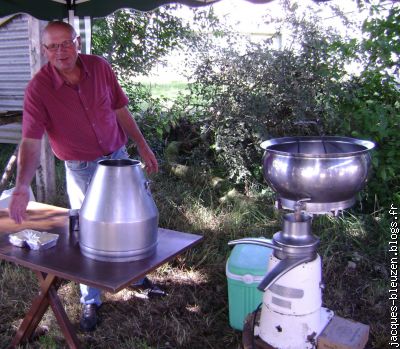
[
  {"x": 59, "y": 312},
  {"x": 63, "y": 321},
  {"x": 47, "y": 296},
  {"x": 35, "y": 313}
]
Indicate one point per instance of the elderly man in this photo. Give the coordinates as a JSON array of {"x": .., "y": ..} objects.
[{"x": 77, "y": 101}]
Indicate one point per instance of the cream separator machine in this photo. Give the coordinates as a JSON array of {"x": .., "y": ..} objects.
[{"x": 311, "y": 175}]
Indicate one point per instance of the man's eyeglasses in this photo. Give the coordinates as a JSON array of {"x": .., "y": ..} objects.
[{"x": 64, "y": 44}]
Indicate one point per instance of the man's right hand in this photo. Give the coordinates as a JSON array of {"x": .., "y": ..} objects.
[{"x": 19, "y": 202}]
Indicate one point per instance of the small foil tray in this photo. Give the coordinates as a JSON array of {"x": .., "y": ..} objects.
[{"x": 33, "y": 239}]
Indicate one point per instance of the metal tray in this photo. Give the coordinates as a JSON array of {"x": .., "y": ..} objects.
[{"x": 33, "y": 239}]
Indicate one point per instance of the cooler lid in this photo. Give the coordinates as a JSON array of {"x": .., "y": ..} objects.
[{"x": 249, "y": 259}]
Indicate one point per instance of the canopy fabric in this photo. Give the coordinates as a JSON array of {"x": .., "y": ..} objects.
[{"x": 58, "y": 9}]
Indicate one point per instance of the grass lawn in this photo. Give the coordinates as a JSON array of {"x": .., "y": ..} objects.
[
  {"x": 195, "y": 313},
  {"x": 168, "y": 90},
  {"x": 128, "y": 319}
]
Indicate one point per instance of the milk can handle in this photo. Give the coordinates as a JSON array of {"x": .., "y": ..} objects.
[{"x": 147, "y": 186}]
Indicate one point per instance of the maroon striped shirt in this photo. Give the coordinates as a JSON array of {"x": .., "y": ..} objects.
[{"x": 80, "y": 120}]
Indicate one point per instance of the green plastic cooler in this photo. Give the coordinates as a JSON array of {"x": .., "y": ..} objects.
[{"x": 245, "y": 268}]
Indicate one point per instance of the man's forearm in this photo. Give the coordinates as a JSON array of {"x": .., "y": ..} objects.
[
  {"x": 130, "y": 127},
  {"x": 28, "y": 162}
]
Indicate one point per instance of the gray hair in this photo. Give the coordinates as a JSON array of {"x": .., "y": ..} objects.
[{"x": 60, "y": 24}]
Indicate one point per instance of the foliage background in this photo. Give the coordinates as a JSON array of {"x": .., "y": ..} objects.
[{"x": 237, "y": 97}]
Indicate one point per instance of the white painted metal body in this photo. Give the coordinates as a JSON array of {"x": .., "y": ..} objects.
[{"x": 291, "y": 315}]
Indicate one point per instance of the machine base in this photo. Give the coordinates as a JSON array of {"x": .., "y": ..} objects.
[
  {"x": 249, "y": 340},
  {"x": 252, "y": 341}
]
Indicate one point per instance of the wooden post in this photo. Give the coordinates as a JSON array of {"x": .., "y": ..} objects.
[
  {"x": 45, "y": 175},
  {"x": 12, "y": 163}
]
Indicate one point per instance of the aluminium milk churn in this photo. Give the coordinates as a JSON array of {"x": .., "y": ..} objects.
[{"x": 118, "y": 219}]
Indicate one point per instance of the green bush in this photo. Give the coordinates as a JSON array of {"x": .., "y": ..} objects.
[
  {"x": 134, "y": 41},
  {"x": 264, "y": 94},
  {"x": 369, "y": 104},
  {"x": 149, "y": 112},
  {"x": 370, "y": 109},
  {"x": 261, "y": 94}
]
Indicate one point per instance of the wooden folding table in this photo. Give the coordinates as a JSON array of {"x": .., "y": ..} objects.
[{"x": 65, "y": 261}]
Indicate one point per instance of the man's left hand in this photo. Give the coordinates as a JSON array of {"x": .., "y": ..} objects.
[{"x": 149, "y": 160}]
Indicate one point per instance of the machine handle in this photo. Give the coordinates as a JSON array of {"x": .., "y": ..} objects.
[{"x": 281, "y": 269}]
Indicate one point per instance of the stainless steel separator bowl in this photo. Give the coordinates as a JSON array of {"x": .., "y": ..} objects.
[{"x": 327, "y": 172}]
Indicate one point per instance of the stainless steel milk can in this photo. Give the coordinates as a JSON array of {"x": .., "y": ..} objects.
[{"x": 118, "y": 219}]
